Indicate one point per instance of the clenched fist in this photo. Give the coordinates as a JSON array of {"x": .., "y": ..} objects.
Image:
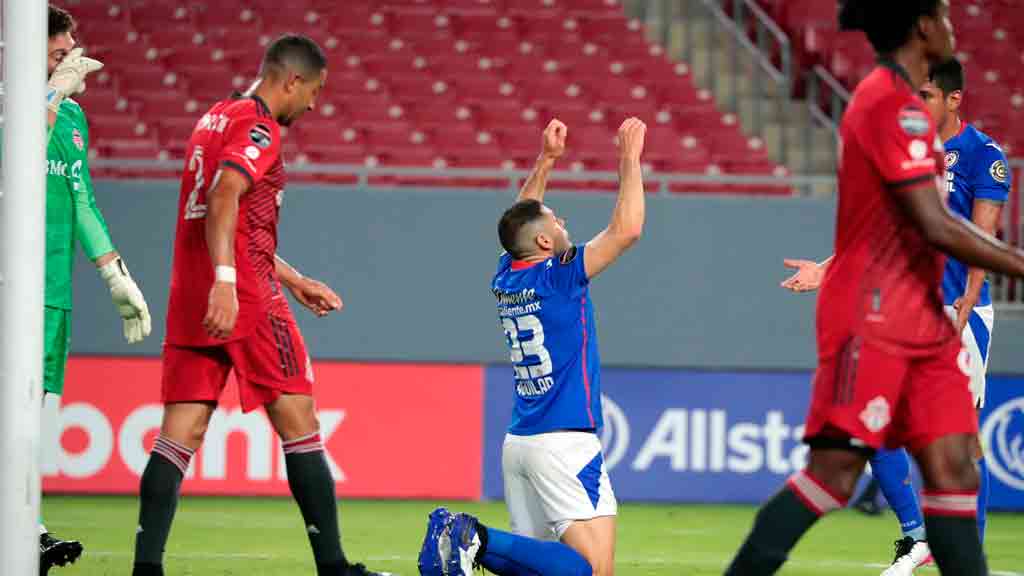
[
  {"x": 630, "y": 139},
  {"x": 554, "y": 139}
]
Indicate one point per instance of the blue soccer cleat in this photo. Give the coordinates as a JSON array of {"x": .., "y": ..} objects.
[
  {"x": 464, "y": 537},
  {"x": 437, "y": 544}
]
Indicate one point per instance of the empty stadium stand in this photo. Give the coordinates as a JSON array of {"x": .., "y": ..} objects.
[{"x": 419, "y": 83}]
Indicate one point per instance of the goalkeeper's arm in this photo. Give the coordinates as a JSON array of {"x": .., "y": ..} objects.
[
  {"x": 67, "y": 79},
  {"x": 91, "y": 231}
]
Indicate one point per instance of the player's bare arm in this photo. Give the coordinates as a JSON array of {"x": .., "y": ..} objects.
[
  {"x": 312, "y": 294},
  {"x": 808, "y": 275},
  {"x": 221, "y": 221},
  {"x": 954, "y": 236},
  {"x": 552, "y": 148},
  {"x": 627, "y": 221},
  {"x": 985, "y": 215}
]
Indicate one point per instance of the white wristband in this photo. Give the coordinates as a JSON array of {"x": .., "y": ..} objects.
[{"x": 225, "y": 274}]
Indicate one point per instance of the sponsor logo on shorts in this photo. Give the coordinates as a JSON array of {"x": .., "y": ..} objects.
[
  {"x": 1003, "y": 436},
  {"x": 876, "y": 415},
  {"x": 951, "y": 158},
  {"x": 914, "y": 121},
  {"x": 998, "y": 171}
]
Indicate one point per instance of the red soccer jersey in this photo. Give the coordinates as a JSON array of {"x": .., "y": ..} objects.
[
  {"x": 236, "y": 134},
  {"x": 885, "y": 283}
]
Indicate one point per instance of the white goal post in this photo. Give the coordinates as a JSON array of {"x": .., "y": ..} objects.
[{"x": 22, "y": 250}]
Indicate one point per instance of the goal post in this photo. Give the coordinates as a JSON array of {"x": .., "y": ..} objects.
[{"x": 22, "y": 272}]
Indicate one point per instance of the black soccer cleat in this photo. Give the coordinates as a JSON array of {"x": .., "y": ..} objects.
[{"x": 56, "y": 552}]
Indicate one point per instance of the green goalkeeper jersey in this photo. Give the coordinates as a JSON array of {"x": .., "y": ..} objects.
[{"x": 71, "y": 211}]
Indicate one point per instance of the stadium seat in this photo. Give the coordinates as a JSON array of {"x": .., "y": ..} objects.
[{"x": 457, "y": 83}]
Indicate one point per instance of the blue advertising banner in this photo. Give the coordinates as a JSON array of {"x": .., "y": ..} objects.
[
  {"x": 1002, "y": 435},
  {"x": 713, "y": 437},
  {"x": 681, "y": 436}
]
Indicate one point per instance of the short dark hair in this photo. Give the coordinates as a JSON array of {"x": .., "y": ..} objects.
[
  {"x": 512, "y": 221},
  {"x": 294, "y": 52},
  {"x": 948, "y": 76},
  {"x": 888, "y": 25},
  {"x": 61, "y": 21}
]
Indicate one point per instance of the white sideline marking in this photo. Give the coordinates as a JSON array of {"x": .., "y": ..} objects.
[{"x": 622, "y": 560}]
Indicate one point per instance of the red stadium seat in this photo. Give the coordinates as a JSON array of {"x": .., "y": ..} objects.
[{"x": 430, "y": 83}]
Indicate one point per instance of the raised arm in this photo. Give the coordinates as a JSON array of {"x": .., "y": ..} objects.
[
  {"x": 627, "y": 221},
  {"x": 955, "y": 236},
  {"x": 552, "y": 147},
  {"x": 221, "y": 220},
  {"x": 68, "y": 79}
]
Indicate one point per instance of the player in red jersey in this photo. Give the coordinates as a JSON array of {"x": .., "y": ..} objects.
[
  {"x": 891, "y": 369},
  {"x": 227, "y": 309}
]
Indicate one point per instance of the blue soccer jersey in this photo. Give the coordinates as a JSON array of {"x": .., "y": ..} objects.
[
  {"x": 976, "y": 169},
  {"x": 548, "y": 318}
]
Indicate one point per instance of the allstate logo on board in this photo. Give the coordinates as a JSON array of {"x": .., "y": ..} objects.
[
  {"x": 1003, "y": 435},
  {"x": 615, "y": 435}
]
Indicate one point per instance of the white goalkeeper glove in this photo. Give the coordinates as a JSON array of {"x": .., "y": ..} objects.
[
  {"x": 128, "y": 298},
  {"x": 69, "y": 78}
]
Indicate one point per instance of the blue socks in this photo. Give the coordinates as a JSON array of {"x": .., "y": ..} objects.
[
  {"x": 507, "y": 554},
  {"x": 982, "y": 498},
  {"x": 892, "y": 470}
]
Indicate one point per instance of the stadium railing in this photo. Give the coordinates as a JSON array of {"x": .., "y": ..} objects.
[
  {"x": 365, "y": 176},
  {"x": 746, "y": 56},
  {"x": 826, "y": 100}
]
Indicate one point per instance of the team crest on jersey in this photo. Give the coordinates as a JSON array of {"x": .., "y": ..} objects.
[
  {"x": 951, "y": 158},
  {"x": 76, "y": 138},
  {"x": 260, "y": 135},
  {"x": 998, "y": 171},
  {"x": 913, "y": 121}
]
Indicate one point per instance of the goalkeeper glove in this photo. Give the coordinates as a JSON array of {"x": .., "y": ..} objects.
[
  {"x": 128, "y": 298},
  {"x": 69, "y": 78}
]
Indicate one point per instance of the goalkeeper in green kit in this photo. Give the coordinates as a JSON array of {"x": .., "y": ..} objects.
[{"x": 71, "y": 214}]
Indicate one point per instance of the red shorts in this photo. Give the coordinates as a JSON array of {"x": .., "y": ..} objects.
[
  {"x": 269, "y": 362},
  {"x": 887, "y": 400}
]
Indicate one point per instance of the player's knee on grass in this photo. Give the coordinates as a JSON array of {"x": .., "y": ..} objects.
[
  {"x": 947, "y": 464},
  {"x": 186, "y": 422},
  {"x": 293, "y": 416},
  {"x": 837, "y": 468}
]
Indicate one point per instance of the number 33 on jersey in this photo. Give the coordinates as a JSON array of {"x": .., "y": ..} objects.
[{"x": 547, "y": 315}]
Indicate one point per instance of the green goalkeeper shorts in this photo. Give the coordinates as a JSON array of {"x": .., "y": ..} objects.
[{"x": 57, "y": 342}]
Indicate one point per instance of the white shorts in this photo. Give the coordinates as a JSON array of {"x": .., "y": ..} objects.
[
  {"x": 975, "y": 338},
  {"x": 554, "y": 479}
]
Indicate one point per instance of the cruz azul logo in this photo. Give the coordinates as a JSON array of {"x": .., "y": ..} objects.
[{"x": 1003, "y": 437}]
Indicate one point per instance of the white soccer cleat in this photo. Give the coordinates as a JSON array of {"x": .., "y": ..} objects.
[{"x": 910, "y": 555}]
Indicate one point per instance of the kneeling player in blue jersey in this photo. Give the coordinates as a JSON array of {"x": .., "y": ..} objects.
[
  {"x": 977, "y": 185},
  {"x": 559, "y": 498}
]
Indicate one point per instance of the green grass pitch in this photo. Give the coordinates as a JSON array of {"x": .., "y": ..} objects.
[{"x": 265, "y": 537}]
